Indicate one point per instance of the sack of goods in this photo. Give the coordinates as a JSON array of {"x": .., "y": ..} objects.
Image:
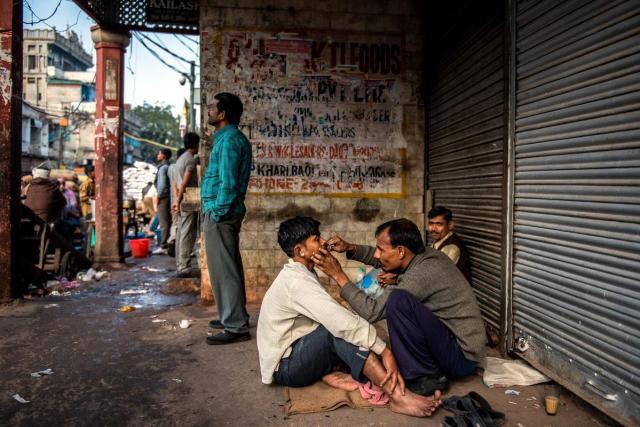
[{"x": 136, "y": 178}]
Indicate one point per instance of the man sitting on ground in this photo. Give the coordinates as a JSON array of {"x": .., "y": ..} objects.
[
  {"x": 44, "y": 197},
  {"x": 303, "y": 333},
  {"x": 435, "y": 327},
  {"x": 446, "y": 241}
]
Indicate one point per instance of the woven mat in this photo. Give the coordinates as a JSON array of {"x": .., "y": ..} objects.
[{"x": 320, "y": 397}]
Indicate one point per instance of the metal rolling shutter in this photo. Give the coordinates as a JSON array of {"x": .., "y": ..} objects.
[
  {"x": 576, "y": 280},
  {"x": 465, "y": 149}
]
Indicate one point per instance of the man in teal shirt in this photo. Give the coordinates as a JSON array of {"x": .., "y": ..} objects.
[{"x": 224, "y": 187}]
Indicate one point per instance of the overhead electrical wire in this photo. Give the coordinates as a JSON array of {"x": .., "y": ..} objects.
[
  {"x": 40, "y": 19},
  {"x": 158, "y": 57},
  {"x": 185, "y": 45},
  {"x": 165, "y": 49},
  {"x": 192, "y": 40}
]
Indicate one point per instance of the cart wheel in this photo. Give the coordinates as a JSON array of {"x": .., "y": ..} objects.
[{"x": 69, "y": 266}]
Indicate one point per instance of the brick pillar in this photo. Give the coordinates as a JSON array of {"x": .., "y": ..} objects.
[
  {"x": 10, "y": 144},
  {"x": 110, "y": 48}
]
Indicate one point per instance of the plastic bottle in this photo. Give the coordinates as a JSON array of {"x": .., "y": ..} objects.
[{"x": 369, "y": 283}]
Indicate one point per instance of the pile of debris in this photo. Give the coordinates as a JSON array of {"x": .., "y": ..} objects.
[{"x": 136, "y": 179}]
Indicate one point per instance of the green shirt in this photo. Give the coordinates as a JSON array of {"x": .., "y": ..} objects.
[{"x": 226, "y": 179}]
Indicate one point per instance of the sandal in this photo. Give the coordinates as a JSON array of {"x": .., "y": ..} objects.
[
  {"x": 456, "y": 421},
  {"x": 470, "y": 419},
  {"x": 481, "y": 405},
  {"x": 475, "y": 408}
]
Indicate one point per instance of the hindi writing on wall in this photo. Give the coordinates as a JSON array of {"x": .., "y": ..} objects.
[{"x": 323, "y": 113}]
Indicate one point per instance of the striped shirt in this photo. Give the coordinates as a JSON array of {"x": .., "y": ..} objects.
[{"x": 226, "y": 179}]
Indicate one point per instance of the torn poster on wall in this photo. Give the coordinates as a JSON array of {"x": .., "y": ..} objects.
[{"x": 324, "y": 115}]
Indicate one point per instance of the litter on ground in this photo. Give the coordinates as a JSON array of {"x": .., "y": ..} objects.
[
  {"x": 91, "y": 274},
  {"x": 513, "y": 392},
  {"x": 133, "y": 291},
  {"x": 20, "y": 398},
  {"x": 127, "y": 308},
  {"x": 154, "y": 270},
  {"x": 44, "y": 372}
]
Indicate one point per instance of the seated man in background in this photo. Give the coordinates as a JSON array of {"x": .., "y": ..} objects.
[
  {"x": 303, "y": 333},
  {"x": 44, "y": 197},
  {"x": 435, "y": 326},
  {"x": 446, "y": 241}
]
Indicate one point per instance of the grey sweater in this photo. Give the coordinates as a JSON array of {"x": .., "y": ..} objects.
[{"x": 435, "y": 281}]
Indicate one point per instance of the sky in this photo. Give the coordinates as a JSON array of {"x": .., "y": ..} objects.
[{"x": 146, "y": 78}]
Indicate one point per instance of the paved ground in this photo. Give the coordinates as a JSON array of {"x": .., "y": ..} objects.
[{"x": 113, "y": 368}]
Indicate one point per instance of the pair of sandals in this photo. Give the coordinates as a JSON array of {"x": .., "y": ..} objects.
[{"x": 471, "y": 410}]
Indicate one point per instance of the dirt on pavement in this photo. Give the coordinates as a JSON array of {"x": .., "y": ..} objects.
[{"x": 141, "y": 368}]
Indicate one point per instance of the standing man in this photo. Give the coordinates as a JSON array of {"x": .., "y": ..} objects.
[
  {"x": 174, "y": 181},
  {"x": 224, "y": 187},
  {"x": 185, "y": 176},
  {"x": 87, "y": 191},
  {"x": 164, "y": 202},
  {"x": 446, "y": 241}
]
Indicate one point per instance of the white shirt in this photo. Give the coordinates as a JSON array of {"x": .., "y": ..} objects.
[
  {"x": 294, "y": 306},
  {"x": 452, "y": 251}
]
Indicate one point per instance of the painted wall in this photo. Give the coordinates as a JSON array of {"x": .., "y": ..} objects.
[{"x": 333, "y": 112}]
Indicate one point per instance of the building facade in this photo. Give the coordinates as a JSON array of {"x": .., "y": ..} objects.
[{"x": 58, "y": 86}]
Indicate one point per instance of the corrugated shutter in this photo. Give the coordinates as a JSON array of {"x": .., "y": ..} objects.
[
  {"x": 576, "y": 280},
  {"x": 466, "y": 131}
]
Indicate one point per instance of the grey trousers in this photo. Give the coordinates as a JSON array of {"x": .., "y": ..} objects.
[
  {"x": 173, "y": 231},
  {"x": 222, "y": 242},
  {"x": 186, "y": 234}
]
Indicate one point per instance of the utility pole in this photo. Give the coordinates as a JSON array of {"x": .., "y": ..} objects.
[
  {"x": 64, "y": 122},
  {"x": 191, "y": 77},
  {"x": 192, "y": 108}
]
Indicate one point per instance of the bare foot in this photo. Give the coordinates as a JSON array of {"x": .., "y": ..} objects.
[
  {"x": 414, "y": 404},
  {"x": 340, "y": 380}
]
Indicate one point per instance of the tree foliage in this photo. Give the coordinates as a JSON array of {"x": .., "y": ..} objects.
[{"x": 158, "y": 123}]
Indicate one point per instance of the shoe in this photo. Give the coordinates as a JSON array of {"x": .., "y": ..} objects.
[
  {"x": 216, "y": 324},
  {"x": 227, "y": 337},
  {"x": 160, "y": 251},
  {"x": 428, "y": 384}
]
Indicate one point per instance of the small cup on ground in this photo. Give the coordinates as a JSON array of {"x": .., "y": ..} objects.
[{"x": 551, "y": 398}]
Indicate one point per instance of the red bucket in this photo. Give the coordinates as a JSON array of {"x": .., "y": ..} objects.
[{"x": 139, "y": 248}]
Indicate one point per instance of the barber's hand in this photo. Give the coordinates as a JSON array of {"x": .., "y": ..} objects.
[
  {"x": 393, "y": 376},
  {"x": 330, "y": 266},
  {"x": 174, "y": 207},
  {"x": 386, "y": 278},
  {"x": 337, "y": 244}
]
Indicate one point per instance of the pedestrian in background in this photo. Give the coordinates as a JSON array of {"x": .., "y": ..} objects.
[
  {"x": 186, "y": 176},
  {"x": 87, "y": 191},
  {"x": 164, "y": 202},
  {"x": 174, "y": 180}
]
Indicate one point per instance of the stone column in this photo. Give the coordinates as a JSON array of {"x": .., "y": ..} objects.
[
  {"x": 10, "y": 145},
  {"x": 110, "y": 48}
]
